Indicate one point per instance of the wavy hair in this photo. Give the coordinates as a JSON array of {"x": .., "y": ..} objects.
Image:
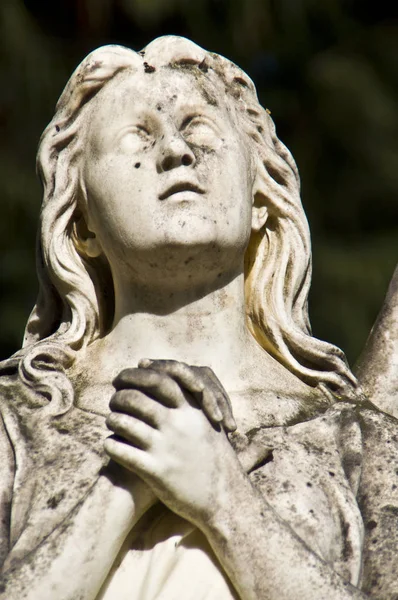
[{"x": 75, "y": 303}]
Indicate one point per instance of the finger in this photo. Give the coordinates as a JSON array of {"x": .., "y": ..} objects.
[
  {"x": 139, "y": 405},
  {"x": 132, "y": 430},
  {"x": 203, "y": 384},
  {"x": 133, "y": 459},
  {"x": 224, "y": 406},
  {"x": 223, "y": 401},
  {"x": 184, "y": 374},
  {"x": 209, "y": 404},
  {"x": 157, "y": 384},
  {"x": 194, "y": 380}
]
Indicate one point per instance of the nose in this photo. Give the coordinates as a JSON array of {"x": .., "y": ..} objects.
[{"x": 175, "y": 152}]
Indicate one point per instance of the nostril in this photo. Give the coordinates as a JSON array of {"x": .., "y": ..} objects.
[
  {"x": 186, "y": 160},
  {"x": 167, "y": 163}
]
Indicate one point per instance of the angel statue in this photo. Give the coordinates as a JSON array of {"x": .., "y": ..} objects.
[{"x": 171, "y": 429}]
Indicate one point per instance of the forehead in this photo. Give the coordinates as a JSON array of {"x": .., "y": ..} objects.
[{"x": 166, "y": 88}]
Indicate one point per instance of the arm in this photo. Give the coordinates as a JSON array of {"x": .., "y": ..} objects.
[
  {"x": 262, "y": 555},
  {"x": 75, "y": 559},
  {"x": 377, "y": 367},
  {"x": 192, "y": 468}
]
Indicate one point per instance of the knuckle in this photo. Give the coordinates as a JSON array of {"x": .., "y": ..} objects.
[
  {"x": 113, "y": 401},
  {"x": 119, "y": 422},
  {"x": 177, "y": 368},
  {"x": 206, "y": 375},
  {"x": 131, "y": 398},
  {"x": 124, "y": 377},
  {"x": 151, "y": 412},
  {"x": 161, "y": 381},
  {"x": 117, "y": 399},
  {"x": 109, "y": 445},
  {"x": 154, "y": 378},
  {"x": 111, "y": 420},
  {"x": 207, "y": 371},
  {"x": 166, "y": 363},
  {"x": 182, "y": 366},
  {"x": 120, "y": 399}
]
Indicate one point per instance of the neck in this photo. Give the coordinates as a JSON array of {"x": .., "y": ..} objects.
[{"x": 200, "y": 327}]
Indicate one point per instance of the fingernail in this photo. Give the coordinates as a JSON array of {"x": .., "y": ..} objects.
[
  {"x": 144, "y": 362},
  {"x": 232, "y": 426},
  {"x": 218, "y": 415}
]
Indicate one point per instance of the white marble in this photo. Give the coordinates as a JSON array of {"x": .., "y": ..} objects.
[{"x": 170, "y": 428}]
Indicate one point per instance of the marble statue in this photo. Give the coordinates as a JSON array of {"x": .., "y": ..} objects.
[{"x": 171, "y": 429}]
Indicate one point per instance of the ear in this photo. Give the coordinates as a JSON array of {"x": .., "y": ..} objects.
[
  {"x": 86, "y": 241},
  {"x": 259, "y": 208},
  {"x": 259, "y": 216}
]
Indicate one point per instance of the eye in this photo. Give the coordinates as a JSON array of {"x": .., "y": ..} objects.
[
  {"x": 201, "y": 131},
  {"x": 135, "y": 139}
]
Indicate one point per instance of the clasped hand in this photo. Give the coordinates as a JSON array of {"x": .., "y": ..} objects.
[{"x": 169, "y": 422}]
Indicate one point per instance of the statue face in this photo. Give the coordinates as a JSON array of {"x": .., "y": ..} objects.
[{"x": 167, "y": 173}]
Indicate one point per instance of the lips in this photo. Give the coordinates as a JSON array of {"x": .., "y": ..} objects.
[{"x": 183, "y": 186}]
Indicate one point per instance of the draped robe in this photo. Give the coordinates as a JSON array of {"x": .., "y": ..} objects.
[{"x": 332, "y": 477}]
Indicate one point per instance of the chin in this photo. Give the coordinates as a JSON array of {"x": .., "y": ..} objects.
[
  {"x": 206, "y": 231},
  {"x": 199, "y": 257}
]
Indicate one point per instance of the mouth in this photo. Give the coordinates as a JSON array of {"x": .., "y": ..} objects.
[{"x": 183, "y": 186}]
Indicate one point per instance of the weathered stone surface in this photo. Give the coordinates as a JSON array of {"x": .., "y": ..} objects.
[
  {"x": 377, "y": 368},
  {"x": 244, "y": 459}
]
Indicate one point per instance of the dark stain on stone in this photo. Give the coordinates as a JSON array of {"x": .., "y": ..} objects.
[
  {"x": 137, "y": 165},
  {"x": 63, "y": 430},
  {"x": 55, "y": 500},
  {"x": 351, "y": 462},
  {"x": 389, "y": 508},
  {"x": 370, "y": 525},
  {"x": 347, "y": 550},
  {"x": 148, "y": 68}
]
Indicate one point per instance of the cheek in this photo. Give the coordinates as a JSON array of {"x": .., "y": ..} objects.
[
  {"x": 239, "y": 204},
  {"x": 106, "y": 189}
]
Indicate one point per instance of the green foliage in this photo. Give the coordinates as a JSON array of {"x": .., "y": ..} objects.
[{"x": 325, "y": 69}]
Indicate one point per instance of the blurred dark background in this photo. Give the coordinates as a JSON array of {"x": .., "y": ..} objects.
[{"x": 327, "y": 69}]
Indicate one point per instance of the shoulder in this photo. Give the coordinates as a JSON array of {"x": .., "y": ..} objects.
[{"x": 380, "y": 454}]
